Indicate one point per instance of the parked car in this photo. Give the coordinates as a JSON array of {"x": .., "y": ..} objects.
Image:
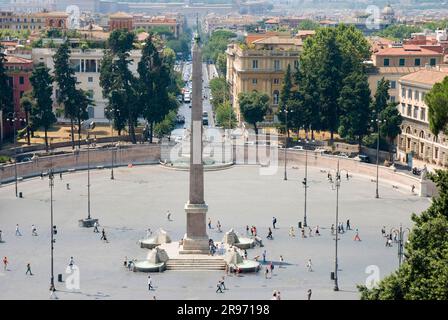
[
  {"x": 180, "y": 119},
  {"x": 343, "y": 155},
  {"x": 296, "y": 148},
  {"x": 363, "y": 158},
  {"x": 320, "y": 150}
]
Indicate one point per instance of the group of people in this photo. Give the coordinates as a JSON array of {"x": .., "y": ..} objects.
[
  {"x": 253, "y": 231},
  {"x": 218, "y": 225},
  {"x": 390, "y": 237}
]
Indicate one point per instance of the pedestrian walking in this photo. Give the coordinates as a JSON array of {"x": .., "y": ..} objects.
[
  {"x": 317, "y": 231},
  {"x": 291, "y": 232},
  {"x": 28, "y": 269},
  {"x": 5, "y": 263},
  {"x": 252, "y": 231},
  {"x": 264, "y": 256},
  {"x": 357, "y": 238},
  {"x": 247, "y": 230},
  {"x": 342, "y": 228},
  {"x": 274, "y": 295},
  {"x": 245, "y": 254},
  {"x": 303, "y": 233},
  {"x": 346, "y": 175},
  {"x": 223, "y": 286},
  {"x": 309, "y": 265},
  {"x": 1, "y": 240},
  {"x": 60, "y": 175},
  {"x": 219, "y": 287},
  {"x": 383, "y": 231},
  {"x": 168, "y": 215},
  {"x": 281, "y": 262},
  {"x": 148, "y": 233},
  {"x": 278, "y": 295},
  {"x": 271, "y": 267},
  {"x": 150, "y": 287},
  {"x": 41, "y": 175},
  {"x": 125, "y": 262},
  {"x": 255, "y": 231},
  {"x": 18, "y": 230},
  {"x": 274, "y": 221},
  {"x": 389, "y": 242},
  {"x": 95, "y": 227},
  {"x": 33, "y": 230},
  {"x": 53, "y": 293},
  {"x": 310, "y": 232},
  {"x": 218, "y": 226},
  {"x": 270, "y": 234},
  {"x": 71, "y": 263},
  {"x": 103, "y": 235},
  {"x": 332, "y": 229},
  {"x": 347, "y": 226},
  {"x": 209, "y": 223},
  {"x": 412, "y": 188},
  {"x": 309, "y": 294},
  {"x": 266, "y": 272},
  {"x": 67, "y": 186}
]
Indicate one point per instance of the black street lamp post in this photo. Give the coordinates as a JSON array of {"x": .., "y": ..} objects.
[
  {"x": 52, "y": 228},
  {"x": 89, "y": 222},
  {"x": 338, "y": 184},
  {"x": 12, "y": 119},
  {"x": 378, "y": 122},
  {"x": 286, "y": 111}
]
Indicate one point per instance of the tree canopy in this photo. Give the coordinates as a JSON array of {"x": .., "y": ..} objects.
[
  {"x": 437, "y": 102},
  {"x": 424, "y": 272}
]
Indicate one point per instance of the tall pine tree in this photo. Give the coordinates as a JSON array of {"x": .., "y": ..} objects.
[{"x": 42, "y": 112}]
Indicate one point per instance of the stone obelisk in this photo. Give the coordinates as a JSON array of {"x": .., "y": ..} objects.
[{"x": 196, "y": 238}]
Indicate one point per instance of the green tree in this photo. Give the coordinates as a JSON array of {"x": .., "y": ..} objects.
[
  {"x": 42, "y": 111},
  {"x": 398, "y": 31},
  {"x": 6, "y": 104},
  {"x": 164, "y": 127},
  {"x": 424, "y": 272},
  {"x": 225, "y": 116},
  {"x": 437, "y": 102},
  {"x": 118, "y": 83},
  {"x": 154, "y": 80},
  {"x": 382, "y": 97},
  {"x": 66, "y": 80},
  {"x": 308, "y": 25},
  {"x": 219, "y": 89},
  {"x": 82, "y": 100},
  {"x": 254, "y": 107},
  {"x": 26, "y": 103},
  {"x": 221, "y": 63},
  {"x": 216, "y": 44},
  {"x": 354, "y": 102},
  {"x": 286, "y": 96},
  {"x": 391, "y": 124}
]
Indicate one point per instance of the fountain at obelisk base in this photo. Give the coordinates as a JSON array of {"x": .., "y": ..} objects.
[{"x": 193, "y": 251}]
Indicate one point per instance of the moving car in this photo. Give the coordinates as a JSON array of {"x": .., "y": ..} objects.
[
  {"x": 180, "y": 119},
  {"x": 296, "y": 148},
  {"x": 187, "y": 97}
]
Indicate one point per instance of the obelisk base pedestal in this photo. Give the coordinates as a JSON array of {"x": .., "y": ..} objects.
[{"x": 196, "y": 239}]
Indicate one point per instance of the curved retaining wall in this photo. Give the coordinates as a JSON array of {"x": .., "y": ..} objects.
[{"x": 132, "y": 154}]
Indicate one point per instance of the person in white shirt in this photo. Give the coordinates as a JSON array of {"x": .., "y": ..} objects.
[{"x": 17, "y": 230}]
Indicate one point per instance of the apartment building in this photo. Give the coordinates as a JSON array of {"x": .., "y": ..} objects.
[
  {"x": 416, "y": 140},
  {"x": 86, "y": 64},
  {"x": 173, "y": 23},
  {"x": 18, "y": 70},
  {"x": 393, "y": 61},
  {"x": 260, "y": 65},
  {"x": 32, "y": 21}
]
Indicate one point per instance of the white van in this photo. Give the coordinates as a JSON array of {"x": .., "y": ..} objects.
[{"x": 187, "y": 97}]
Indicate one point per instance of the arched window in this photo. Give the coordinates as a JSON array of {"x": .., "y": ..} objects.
[
  {"x": 422, "y": 134},
  {"x": 408, "y": 130},
  {"x": 275, "y": 96}
]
